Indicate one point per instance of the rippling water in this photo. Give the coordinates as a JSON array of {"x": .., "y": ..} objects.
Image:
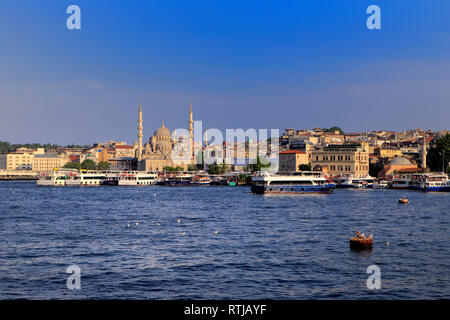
[{"x": 266, "y": 247}]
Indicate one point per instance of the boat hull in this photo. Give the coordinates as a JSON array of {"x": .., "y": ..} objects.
[
  {"x": 176, "y": 183},
  {"x": 293, "y": 189},
  {"x": 360, "y": 244},
  {"x": 437, "y": 189}
]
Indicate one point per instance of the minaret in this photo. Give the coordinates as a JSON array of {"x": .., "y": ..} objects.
[
  {"x": 423, "y": 153},
  {"x": 139, "y": 155},
  {"x": 191, "y": 130}
]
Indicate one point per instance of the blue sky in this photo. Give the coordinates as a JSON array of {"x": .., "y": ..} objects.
[{"x": 244, "y": 64}]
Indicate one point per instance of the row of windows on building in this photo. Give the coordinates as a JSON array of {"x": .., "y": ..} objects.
[
  {"x": 348, "y": 168},
  {"x": 341, "y": 158}
]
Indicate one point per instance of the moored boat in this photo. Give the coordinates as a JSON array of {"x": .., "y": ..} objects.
[
  {"x": 177, "y": 180},
  {"x": 435, "y": 182},
  {"x": 136, "y": 178},
  {"x": 200, "y": 180},
  {"x": 359, "y": 241},
  {"x": 298, "y": 182},
  {"x": 52, "y": 178}
]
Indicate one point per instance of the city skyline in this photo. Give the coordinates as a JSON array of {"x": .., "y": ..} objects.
[{"x": 252, "y": 65}]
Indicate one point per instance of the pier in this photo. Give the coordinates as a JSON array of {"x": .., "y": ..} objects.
[{"x": 18, "y": 175}]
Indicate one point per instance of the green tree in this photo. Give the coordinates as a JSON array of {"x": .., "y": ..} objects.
[
  {"x": 72, "y": 165},
  {"x": 5, "y": 147},
  {"x": 88, "y": 164},
  {"x": 304, "y": 167},
  {"x": 375, "y": 168},
  {"x": 173, "y": 169},
  {"x": 258, "y": 165},
  {"x": 214, "y": 169},
  {"x": 333, "y": 129},
  {"x": 439, "y": 155},
  {"x": 192, "y": 167},
  {"x": 103, "y": 165}
]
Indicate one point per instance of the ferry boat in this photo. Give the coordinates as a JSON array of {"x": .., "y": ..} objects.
[
  {"x": 298, "y": 182},
  {"x": 400, "y": 183},
  {"x": 136, "y": 178},
  {"x": 344, "y": 181},
  {"x": 200, "y": 180},
  {"x": 364, "y": 182},
  {"x": 87, "y": 178},
  {"x": 53, "y": 178},
  {"x": 177, "y": 180},
  {"x": 381, "y": 185},
  {"x": 349, "y": 181},
  {"x": 435, "y": 182}
]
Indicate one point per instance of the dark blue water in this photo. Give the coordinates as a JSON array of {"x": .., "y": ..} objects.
[{"x": 267, "y": 247}]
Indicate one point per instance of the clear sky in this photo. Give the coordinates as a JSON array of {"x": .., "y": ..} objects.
[{"x": 244, "y": 64}]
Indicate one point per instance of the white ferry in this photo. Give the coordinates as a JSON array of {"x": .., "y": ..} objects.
[
  {"x": 381, "y": 185},
  {"x": 400, "y": 183},
  {"x": 344, "y": 181},
  {"x": 136, "y": 178},
  {"x": 364, "y": 182},
  {"x": 298, "y": 182},
  {"x": 200, "y": 180},
  {"x": 53, "y": 178},
  {"x": 86, "y": 178},
  {"x": 181, "y": 179},
  {"x": 435, "y": 182}
]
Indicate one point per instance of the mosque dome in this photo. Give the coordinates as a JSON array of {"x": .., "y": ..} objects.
[
  {"x": 400, "y": 161},
  {"x": 162, "y": 132}
]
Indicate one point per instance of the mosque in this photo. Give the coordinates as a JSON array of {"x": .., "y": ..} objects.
[{"x": 157, "y": 152}]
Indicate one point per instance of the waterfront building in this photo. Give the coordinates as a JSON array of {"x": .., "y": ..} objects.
[
  {"x": 389, "y": 152},
  {"x": 348, "y": 158},
  {"x": 48, "y": 162},
  {"x": 157, "y": 152},
  {"x": 398, "y": 165},
  {"x": 20, "y": 159},
  {"x": 122, "y": 151},
  {"x": 123, "y": 163},
  {"x": 104, "y": 154},
  {"x": 289, "y": 161}
]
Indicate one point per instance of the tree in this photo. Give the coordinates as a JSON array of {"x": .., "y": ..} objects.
[
  {"x": 103, "y": 165},
  {"x": 72, "y": 165},
  {"x": 333, "y": 129},
  {"x": 88, "y": 164},
  {"x": 439, "y": 155},
  {"x": 192, "y": 167},
  {"x": 173, "y": 169},
  {"x": 375, "y": 168},
  {"x": 214, "y": 169},
  {"x": 304, "y": 167},
  {"x": 5, "y": 147},
  {"x": 258, "y": 165}
]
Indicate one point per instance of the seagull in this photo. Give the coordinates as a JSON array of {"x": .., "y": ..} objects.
[
  {"x": 159, "y": 223},
  {"x": 386, "y": 243},
  {"x": 178, "y": 220},
  {"x": 183, "y": 233},
  {"x": 136, "y": 223},
  {"x": 129, "y": 225},
  {"x": 216, "y": 232}
]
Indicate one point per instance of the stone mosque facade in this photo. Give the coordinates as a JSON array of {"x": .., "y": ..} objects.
[{"x": 157, "y": 152}]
